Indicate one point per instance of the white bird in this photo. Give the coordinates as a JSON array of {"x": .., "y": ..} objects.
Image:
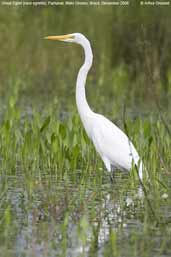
[{"x": 112, "y": 144}]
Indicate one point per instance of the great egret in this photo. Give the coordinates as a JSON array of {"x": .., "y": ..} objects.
[{"x": 112, "y": 144}]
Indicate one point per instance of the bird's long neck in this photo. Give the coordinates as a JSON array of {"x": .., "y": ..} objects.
[{"x": 82, "y": 105}]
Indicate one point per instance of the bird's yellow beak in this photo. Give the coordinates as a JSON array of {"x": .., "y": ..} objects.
[{"x": 62, "y": 37}]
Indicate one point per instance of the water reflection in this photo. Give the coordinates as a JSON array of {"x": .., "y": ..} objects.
[{"x": 52, "y": 217}]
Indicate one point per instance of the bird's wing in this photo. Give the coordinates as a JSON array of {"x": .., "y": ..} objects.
[{"x": 113, "y": 144}]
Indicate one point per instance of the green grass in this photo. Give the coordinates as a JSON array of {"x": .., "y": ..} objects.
[{"x": 58, "y": 200}]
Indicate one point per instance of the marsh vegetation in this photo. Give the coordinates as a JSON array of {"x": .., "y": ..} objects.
[{"x": 56, "y": 197}]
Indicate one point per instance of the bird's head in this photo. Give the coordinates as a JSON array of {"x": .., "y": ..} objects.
[{"x": 71, "y": 38}]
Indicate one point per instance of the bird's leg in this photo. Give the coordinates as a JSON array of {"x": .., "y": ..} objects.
[
  {"x": 112, "y": 174},
  {"x": 112, "y": 177},
  {"x": 110, "y": 168}
]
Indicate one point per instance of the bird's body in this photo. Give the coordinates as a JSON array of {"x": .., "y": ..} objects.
[
  {"x": 112, "y": 144},
  {"x": 116, "y": 154}
]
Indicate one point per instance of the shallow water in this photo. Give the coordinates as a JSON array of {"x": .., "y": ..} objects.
[{"x": 47, "y": 216}]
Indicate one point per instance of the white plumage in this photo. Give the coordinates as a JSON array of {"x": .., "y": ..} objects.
[{"x": 112, "y": 144}]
